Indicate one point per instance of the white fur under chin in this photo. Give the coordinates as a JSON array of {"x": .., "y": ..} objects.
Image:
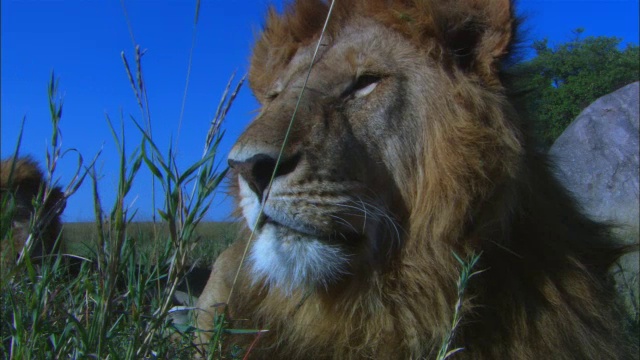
[{"x": 290, "y": 261}]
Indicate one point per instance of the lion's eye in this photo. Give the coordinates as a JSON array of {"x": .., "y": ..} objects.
[
  {"x": 272, "y": 95},
  {"x": 274, "y": 90},
  {"x": 363, "y": 86}
]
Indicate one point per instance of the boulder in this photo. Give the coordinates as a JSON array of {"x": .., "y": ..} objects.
[{"x": 597, "y": 160}]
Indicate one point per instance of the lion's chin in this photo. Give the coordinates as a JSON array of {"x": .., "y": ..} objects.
[{"x": 290, "y": 260}]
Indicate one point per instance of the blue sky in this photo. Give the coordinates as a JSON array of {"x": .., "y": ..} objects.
[{"x": 82, "y": 42}]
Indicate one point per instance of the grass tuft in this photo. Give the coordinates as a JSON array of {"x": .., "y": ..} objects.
[
  {"x": 466, "y": 273},
  {"x": 114, "y": 298}
]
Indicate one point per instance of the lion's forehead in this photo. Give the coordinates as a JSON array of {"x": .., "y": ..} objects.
[{"x": 363, "y": 46}]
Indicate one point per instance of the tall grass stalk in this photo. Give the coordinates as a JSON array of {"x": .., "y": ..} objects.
[
  {"x": 115, "y": 306},
  {"x": 182, "y": 211},
  {"x": 189, "y": 63},
  {"x": 220, "y": 320},
  {"x": 466, "y": 273},
  {"x": 282, "y": 146},
  {"x": 139, "y": 88},
  {"x": 54, "y": 153}
]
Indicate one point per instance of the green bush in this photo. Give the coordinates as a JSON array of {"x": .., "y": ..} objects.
[{"x": 564, "y": 79}]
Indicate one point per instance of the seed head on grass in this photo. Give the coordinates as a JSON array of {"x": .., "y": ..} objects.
[{"x": 466, "y": 273}]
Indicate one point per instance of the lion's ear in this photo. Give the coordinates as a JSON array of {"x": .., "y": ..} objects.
[{"x": 478, "y": 34}]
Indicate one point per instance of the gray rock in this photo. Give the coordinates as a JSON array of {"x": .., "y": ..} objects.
[{"x": 597, "y": 160}]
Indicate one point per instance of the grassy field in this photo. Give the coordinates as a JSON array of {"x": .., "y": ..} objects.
[
  {"x": 115, "y": 305},
  {"x": 118, "y": 304},
  {"x": 210, "y": 238}
]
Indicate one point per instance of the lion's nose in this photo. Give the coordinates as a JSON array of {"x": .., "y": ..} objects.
[{"x": 259, "y": 169}]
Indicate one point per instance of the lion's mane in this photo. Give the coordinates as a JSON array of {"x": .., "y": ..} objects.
[
  {"x": 21, "y": 184},
  {"x": 472, "y": 184}
]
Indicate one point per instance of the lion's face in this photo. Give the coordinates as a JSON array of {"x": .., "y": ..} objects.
[
  {"x": 405, "y": 156},
  {"x": 338, "y": 202}
]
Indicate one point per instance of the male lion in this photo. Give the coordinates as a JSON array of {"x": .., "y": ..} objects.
[
  {"x": 404, "y": 152},
  {"x": 22, "y": 183}
]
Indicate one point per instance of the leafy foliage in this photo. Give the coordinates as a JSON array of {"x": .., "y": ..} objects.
[{"x": 564, "y": 79}]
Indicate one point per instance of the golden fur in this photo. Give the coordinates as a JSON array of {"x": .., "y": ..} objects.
[
  {"x": 21, "y": 183},
  {"x": 404, "y": 150}
]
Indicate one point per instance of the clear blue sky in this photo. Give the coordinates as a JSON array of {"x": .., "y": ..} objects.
[{"x": 82, "y": 41}]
